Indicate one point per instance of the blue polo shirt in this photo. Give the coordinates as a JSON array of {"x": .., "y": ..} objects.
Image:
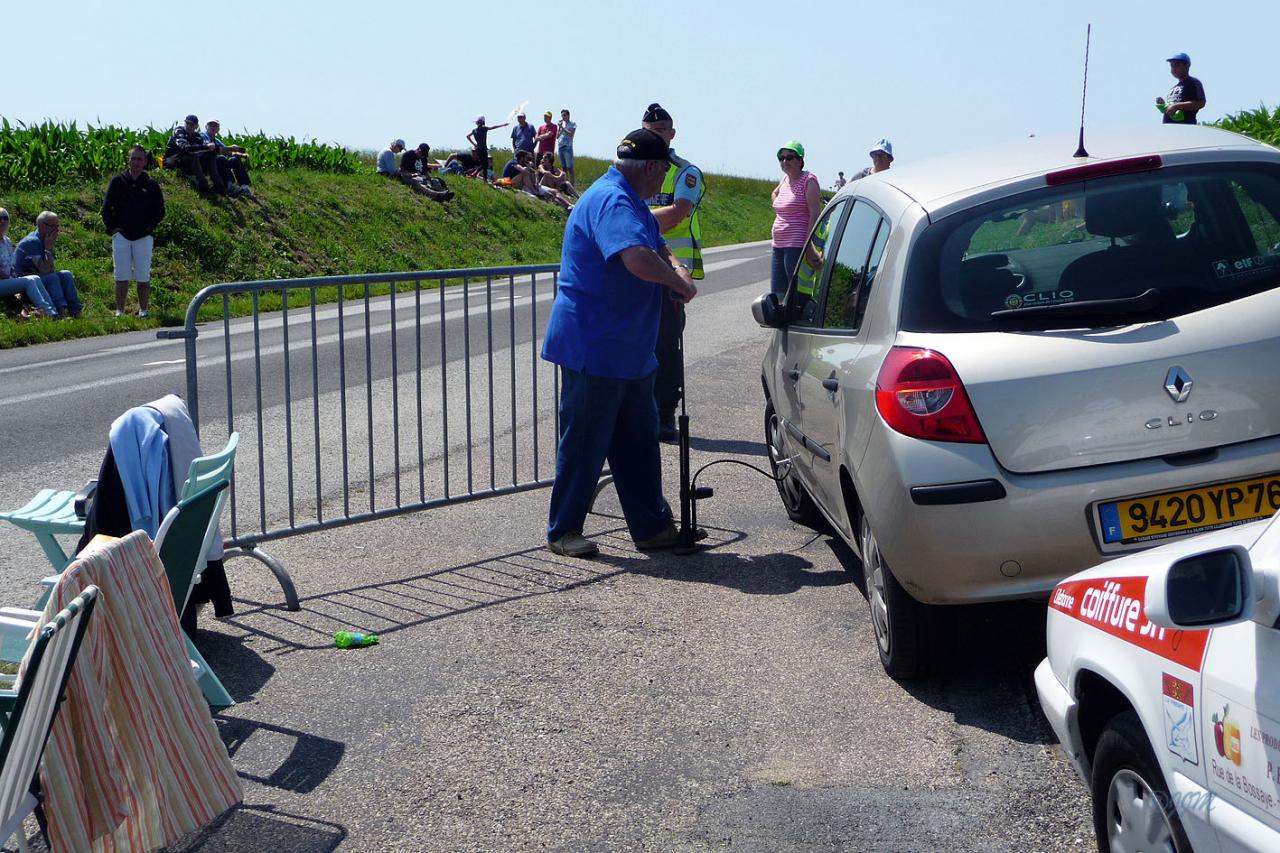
[
  {"x": 29, "y": 250},
  {"x": 605, "y": 320},
  {"x": 522, "y": 137}
]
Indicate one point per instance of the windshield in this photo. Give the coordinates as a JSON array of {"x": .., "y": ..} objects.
[{"x": 1200, "y": 236}]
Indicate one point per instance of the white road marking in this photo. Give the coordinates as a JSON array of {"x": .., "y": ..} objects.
[{"x": 162, "y": 368}]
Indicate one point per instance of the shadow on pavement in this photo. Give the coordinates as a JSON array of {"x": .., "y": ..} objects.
[
  {"x": 252, "y": 829},
  {"x": 281, "y": 758},
  {"x": 240, "y": 669},
  {"x": 992, "y": 650},
  {"x": 389, "y": 606},
  {"x": 729, "y": 445}
]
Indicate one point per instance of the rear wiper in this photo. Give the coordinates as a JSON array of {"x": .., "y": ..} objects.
[{"x": 1144, "y": 301}]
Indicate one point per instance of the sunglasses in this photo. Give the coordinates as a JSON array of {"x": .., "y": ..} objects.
[{"x": 785, "y": 157}]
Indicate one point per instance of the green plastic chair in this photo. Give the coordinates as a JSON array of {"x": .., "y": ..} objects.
[
  {"x": 182, "y": 543},
  {"x": 29, "y": 712}
]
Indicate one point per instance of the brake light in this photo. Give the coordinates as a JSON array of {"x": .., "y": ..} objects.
[
  {"x": 919, "y": 393},
  {"x": 1107, "y": 168}
]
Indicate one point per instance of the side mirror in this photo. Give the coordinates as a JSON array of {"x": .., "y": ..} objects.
[
  {"x": 768, "y": 311},
  {"x": 1206, "y": 590}
]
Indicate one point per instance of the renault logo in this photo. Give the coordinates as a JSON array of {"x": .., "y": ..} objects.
[{"x": 1178, "y": 384}]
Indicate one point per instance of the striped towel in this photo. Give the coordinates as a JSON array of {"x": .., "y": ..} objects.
[{"x": 134, "y": 761}]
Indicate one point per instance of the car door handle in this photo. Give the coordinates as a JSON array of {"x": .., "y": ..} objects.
[
  {"x": 794, "y": 374},
  {"x": 832, "y": 384}
]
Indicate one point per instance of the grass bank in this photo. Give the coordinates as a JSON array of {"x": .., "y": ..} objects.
[{"x": 308, "y": 223}]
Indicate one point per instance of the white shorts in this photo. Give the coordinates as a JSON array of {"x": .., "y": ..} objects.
[{"x": 132, "y": 258}]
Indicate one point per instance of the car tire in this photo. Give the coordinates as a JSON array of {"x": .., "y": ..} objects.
[
  {"x": 1127, "y": 787},
  {"x": 907, "y": 632},
  {"x": 795, "y": 497}
]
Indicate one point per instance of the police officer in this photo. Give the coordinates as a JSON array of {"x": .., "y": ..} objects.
[{"x": 675, "y": 207}]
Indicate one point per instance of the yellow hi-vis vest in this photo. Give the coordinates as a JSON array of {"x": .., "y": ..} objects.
[
  {"x": 684, "y": 240},
  {"x": 806, "y": 273}
]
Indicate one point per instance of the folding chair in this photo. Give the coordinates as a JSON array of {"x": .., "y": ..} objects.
[
  {"x": 30, "y": 711},
  {"x": 181, "y": 542}
]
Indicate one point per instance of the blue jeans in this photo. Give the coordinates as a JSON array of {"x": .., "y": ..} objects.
[
  {"x": 614, "y": 419},
  {"x": 33, "y": 288},
  {"x": 785, "y": 261},
  {"x": 566, "y": 156},
  {"x": 62, "y": 290}
]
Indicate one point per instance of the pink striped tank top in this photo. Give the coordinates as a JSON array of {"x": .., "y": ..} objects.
[{"x": 791, "y": 226}]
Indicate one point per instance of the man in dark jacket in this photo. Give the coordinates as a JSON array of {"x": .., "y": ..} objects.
[
  {"x": 131, "y": 211},
  {"x": 186, "y": 150}
]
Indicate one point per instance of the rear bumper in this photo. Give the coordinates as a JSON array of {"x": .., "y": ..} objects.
[
  {"x": 1019, "y": 545},
  {"x": 1063, "y": 714}
]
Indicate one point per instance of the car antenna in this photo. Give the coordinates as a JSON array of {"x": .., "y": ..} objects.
[{"x": 1084, "y": 90}]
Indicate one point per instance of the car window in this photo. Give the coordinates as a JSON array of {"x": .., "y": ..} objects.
[
  {"x": 1197, "y": 236},
  {"x": 803, "y": 304},
  {"x": 873, "y": 267},
  {"x": 847, "y": 279}
]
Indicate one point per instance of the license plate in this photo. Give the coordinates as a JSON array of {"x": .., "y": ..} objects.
[{"x": 1155, "y": 517}]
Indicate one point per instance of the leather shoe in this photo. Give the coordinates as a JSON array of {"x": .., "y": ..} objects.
[
  {"x": 666, "y": 539},
  {"x": 574, "y": 545}
]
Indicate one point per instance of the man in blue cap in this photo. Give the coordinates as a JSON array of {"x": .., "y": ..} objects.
[
  {"x": 615, "y": 274},
  {"x": 1186, "y": 98}
]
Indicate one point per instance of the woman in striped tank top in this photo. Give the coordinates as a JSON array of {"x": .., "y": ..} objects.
[{"x": 797, "y": 200}]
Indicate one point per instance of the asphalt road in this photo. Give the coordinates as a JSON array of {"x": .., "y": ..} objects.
[{"x": 731, "y": 700}]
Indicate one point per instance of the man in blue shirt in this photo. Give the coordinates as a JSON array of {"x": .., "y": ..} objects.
[
  {"x": 615, "y": 276},
  {"x": 522, "y": 135},
  {"x": 34, "y": 256}
]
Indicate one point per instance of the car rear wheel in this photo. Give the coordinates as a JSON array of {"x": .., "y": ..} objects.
[
  {"x": 906, "y": 631},
  {"x": 795, "y": 497},
  {"x": 1131, "y": 804}
]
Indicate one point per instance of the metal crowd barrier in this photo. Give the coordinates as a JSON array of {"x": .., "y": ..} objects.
[{"x": 364, "y": 397}]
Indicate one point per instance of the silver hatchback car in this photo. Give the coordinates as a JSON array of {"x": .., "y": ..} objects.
[{"x": 991, "y": 370}]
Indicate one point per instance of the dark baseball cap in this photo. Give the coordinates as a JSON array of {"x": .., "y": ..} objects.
[
  {"x": 643, "y": 144},
  {"x": 1179, "y": 57},
  {"x": 191, "y": 119}
]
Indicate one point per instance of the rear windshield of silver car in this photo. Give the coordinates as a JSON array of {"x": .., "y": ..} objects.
[{"x": 1105, "y": 252}]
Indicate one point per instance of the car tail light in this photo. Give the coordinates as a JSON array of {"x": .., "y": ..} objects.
[{"x": 919, "y": 393}]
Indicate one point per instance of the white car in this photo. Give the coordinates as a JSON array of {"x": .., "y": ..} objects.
[
  {"x": 995, "y": 369},
  {"x": 1161, "y": 683}
]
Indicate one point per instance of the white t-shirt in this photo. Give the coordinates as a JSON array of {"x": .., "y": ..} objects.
[{"x": 567, "y": 130}]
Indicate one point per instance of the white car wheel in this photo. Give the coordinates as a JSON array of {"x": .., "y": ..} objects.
[
  {"x": 1135, "y": 821},
  {"x": 1130, "y": 798},
  {"x": 873, "y": 575},
  {"x": 907, "y": 632},
  {"x": 795, "y": 497}
]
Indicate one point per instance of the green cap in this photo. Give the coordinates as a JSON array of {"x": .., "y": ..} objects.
[{"x": 793, "y": 145}]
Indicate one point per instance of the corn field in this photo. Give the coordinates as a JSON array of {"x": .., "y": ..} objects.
[
  {"x": 40, "y": 155},
  {"x": 1262, "y": 124}
]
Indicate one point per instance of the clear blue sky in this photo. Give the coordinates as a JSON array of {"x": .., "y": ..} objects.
[{"x": 740, "y": 78}]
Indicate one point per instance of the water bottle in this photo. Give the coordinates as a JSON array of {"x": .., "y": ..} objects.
[{"x": 354, "y": 639}]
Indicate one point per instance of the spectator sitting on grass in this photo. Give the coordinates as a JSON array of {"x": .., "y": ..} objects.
[
  {"x": 554, "y": 178},
  {"x": 187, "y": 151},
  {"x": 415, "y": 171},
  {"x": 526, "y": 178},
  {"x": 34, "y": 256},
  {"x": 387, "y": 159},
  {"x": 231, "y": 160},
  {"x": 521, "y": 172},
  {"x": 464, "y": 163},
  {"x": 30, "y": 285}
]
